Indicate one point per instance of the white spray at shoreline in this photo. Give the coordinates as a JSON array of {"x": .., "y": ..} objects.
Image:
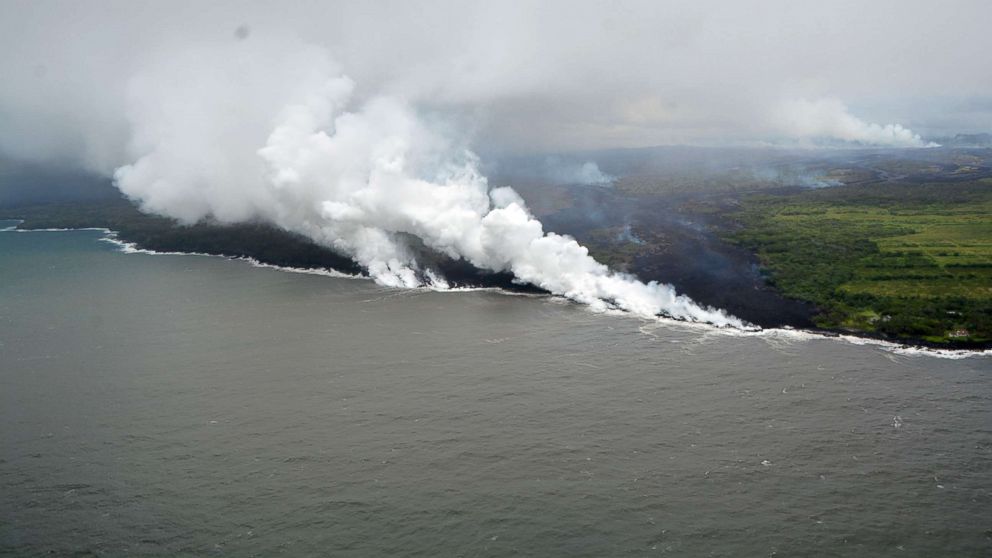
[
  {"x": 361, "y": 180},
  {"x": 787, "y": 335}
]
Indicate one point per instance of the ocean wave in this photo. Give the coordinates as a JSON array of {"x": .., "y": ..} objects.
[
  {"x": 800, "y": 335},
  {"x": 10, "y": 228},
  {"x": 305, "y": 270},
  {"x": 495, "y": 290},
  {"x": 792, "y": 335},
  {"x": 17, "y": 230}
]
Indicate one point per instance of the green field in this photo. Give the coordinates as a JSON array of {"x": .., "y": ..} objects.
[{"x": 904, "y": 260}]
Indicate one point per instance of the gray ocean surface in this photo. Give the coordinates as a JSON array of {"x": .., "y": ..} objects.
[{"x": 195, "y": 406}]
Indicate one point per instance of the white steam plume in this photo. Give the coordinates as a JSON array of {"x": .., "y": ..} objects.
[
  {"x": 830, "y": 119},
  {"x": 213, "y": 137}
]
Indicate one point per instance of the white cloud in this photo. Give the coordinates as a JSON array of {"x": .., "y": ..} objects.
[
  {"x": 276, "y": 135},
  {"x": 829, "y": 119},
  {"x": 520, "y": 75}
]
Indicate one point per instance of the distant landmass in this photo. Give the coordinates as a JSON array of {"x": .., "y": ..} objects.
[
  {"x": 24, "y": 183},
  {"x": 965, "y": 140},
  {"x": 258, "y": 241}
]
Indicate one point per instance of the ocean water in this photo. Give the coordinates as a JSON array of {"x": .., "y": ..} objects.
[{"x": 156, "y": 405}]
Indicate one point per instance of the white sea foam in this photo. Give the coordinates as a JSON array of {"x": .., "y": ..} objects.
[
  {"x": 305, "y": 270},
  {"x": 132, "y": 248},
  {"x": 939, "y": 353},
  {"x": 802, "y": 336},
  {"x": 785, "y": 336},
  {"x": 15, "y": 229},
  {"x": 437, "y": 284}
]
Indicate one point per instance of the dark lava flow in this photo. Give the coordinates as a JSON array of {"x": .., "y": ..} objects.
[
  {"x": 682, "y": 249},
  {"x": 671, "y": 247}
]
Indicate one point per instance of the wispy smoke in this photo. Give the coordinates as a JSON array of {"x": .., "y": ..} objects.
[
  {"x": 362, "y": 179},
  {"x": 794, "y": 176},
  {"x": 229, "y": 116},
  {"x": 585, "y": 174},
  {"x": 829, "y": 119}
]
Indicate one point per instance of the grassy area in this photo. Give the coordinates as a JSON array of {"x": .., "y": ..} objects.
[{"x": 905, "y": 260}]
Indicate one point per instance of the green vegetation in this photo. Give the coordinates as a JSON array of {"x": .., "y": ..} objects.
[{"x": 911, "y": 261}]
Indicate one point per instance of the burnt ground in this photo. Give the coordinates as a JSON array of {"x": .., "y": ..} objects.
[
  {"x": 658, "y": 240},
  {"x": 663, "y": 228},
  {"x": 665, "y": 241}
]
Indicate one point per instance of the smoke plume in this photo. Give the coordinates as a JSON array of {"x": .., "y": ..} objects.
[
  {"x": 829, "y": 119},
  {"x": 585, "y": 174},
  {"x": 362, "y": 180},
  {"x": 220, "y": 109}
]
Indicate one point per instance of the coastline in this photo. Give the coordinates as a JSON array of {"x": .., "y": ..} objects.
[{"x": 902, "y": 346}]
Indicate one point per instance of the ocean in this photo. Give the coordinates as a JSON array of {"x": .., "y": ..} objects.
[{"x": 177, "y": 405}]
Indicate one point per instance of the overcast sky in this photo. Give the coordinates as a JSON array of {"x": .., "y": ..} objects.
[{"x": 516, "y": 76}]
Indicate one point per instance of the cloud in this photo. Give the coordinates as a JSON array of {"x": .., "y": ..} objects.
[{"x": 519, "y": 76}]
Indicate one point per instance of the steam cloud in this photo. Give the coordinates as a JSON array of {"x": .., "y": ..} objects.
[
  {"x": 360, "y": 180},
  {"x": 230, "y": 115},
  {"x": 829, "y": 119}
]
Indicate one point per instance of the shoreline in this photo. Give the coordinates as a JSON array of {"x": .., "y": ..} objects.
[{"x": 902, "y": 346}]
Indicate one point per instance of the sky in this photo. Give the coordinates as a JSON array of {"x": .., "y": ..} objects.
[{"x": 512, "y": 76}]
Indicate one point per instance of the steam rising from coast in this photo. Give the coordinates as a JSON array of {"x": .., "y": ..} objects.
[
  {"x": 235, "y": 111},
  {"x": 365, "y": 180}
]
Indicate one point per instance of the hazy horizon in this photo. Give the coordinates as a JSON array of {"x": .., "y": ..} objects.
[{"x": 515, "y": 78}]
